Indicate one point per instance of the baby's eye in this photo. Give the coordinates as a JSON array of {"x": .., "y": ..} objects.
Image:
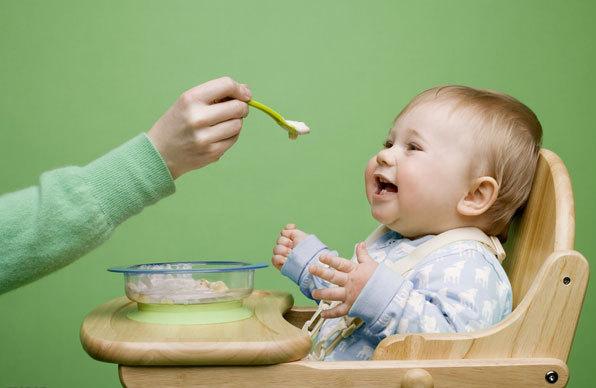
[
  {"x": 388, "y": 144},
  {"x": 413, "y": 147}
]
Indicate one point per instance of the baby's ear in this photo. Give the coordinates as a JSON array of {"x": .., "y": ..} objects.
[{"x": 480, "y": 197}]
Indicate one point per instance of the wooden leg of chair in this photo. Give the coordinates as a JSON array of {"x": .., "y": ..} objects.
[{"x": 428, "y": 373}]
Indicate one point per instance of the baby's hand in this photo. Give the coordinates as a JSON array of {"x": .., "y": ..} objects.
[
  {"x": 289, "y": 237},
  {"x": 349, "y": 277}
]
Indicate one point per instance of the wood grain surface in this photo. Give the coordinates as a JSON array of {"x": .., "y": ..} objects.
[{"x": 265, "y": 338}]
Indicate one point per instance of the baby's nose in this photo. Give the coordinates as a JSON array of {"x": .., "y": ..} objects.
[{"x": 385, "y": 158}]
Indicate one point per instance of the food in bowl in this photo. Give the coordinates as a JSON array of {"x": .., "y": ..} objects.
[{"x": 193, "y": 282}]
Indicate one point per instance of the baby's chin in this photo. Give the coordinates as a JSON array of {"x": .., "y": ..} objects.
[
  {"x": 391, "y": 221},
  {"x": 388, "y": 220}
]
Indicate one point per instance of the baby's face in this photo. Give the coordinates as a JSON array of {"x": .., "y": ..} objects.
[{"x": 413, "y": 184}]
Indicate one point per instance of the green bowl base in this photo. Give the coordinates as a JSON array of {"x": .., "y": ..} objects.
[{"x": 192, "y": 314}]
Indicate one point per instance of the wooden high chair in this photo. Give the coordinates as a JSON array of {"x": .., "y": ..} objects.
[{"x": 529, "y": 348}]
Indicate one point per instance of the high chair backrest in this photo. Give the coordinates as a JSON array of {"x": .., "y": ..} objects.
[{"x": 546, "y": 225}]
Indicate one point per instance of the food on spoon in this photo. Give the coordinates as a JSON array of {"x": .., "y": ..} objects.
[{"x": 300, "y": 127}]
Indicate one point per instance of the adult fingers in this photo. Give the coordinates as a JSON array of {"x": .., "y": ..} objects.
[
  {"x": 219, "y": 89},
  {"x": 329, "y": 274},
  {"x": 219, "y": 132},
  {"x": 206, "y": 116},
  {"x": 247, "y": 89},
  {"x": 332, "y": 293},
  {"x": 338, "y": 263},
  {"x": 222, "y": 146}
]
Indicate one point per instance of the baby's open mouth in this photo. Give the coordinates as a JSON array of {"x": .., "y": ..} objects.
[{"x": 384, "y": 186}]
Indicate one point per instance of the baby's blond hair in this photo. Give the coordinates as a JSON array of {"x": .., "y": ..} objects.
[{"x": 508, "y": 135}]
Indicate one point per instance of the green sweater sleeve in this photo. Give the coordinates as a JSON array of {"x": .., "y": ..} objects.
[{"x": 75, "y": 209}]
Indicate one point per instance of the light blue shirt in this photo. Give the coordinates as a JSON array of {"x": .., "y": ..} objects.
[{"x": 461, "y": 287}]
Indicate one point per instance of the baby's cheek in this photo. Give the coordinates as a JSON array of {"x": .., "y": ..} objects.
[
  {"x": 408, "y": 180},
  {"x": 368, "y": 177},
  {"x": 413, "y": 190},
  {"x": 369, "y": 169}
]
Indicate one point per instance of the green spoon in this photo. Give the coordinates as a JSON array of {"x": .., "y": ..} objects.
[{"x": 294, "y": 128}]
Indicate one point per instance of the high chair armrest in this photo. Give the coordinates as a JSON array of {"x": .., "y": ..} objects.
[{"x": 542, "y": 325}]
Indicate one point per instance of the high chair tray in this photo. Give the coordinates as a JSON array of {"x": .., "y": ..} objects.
[{"x": 264, "y": 338}]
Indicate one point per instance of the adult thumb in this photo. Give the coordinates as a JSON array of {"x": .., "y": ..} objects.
[{"x": 362, "y": 253}]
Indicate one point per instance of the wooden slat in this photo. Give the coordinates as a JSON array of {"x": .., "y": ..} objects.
[
  {"x": 547, "y": 225},
  {"x": 443, "y": 373}
]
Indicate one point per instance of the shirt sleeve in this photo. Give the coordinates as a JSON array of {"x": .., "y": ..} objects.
[
  {"x": 74, "y": 209},
  {"x": 459, "y": 292},
  {"x": 305, "y": 254}
]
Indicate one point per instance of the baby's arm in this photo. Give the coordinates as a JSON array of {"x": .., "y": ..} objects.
[
  {"x": 294, "y": 253},
  {"x": 454, "y": 293}
]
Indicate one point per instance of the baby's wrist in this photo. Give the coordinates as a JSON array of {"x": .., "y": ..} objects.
[
  {"x": 301, "y": 256},
  {"x": 370, "y": 303},
  {"x": 297, "y": 242}
]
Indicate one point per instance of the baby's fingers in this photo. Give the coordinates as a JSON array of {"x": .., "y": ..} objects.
[
  {"x": 287, "y": 229},
  {"x": 289, "y": 233},
  {"x": 329, "y": 274},
  {"x": 336, "y": 312},
  {"x": 338, "y": 263},
  {"x": 332, "y": 293},
  {"x": 278, "y": 261},
  {"x": 285, "y": 242},
  {"x": 281, "y": 250}
]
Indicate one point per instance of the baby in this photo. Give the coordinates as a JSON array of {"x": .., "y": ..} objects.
[{"x": 452, "y": 172}]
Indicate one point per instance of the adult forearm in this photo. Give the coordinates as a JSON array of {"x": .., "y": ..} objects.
[{"x": 74, "y": 209}]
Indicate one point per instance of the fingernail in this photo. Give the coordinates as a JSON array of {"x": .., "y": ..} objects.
[{"x": 247, "y": 92}]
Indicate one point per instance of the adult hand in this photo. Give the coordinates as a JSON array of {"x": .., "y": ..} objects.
[
  {"x": 349, "y": 277},
  {"x": 201, "y": 125},
  {"x": 288, "y": 238}
]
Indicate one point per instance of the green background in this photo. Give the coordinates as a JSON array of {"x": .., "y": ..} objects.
[{"x": 79, "y": 78}]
